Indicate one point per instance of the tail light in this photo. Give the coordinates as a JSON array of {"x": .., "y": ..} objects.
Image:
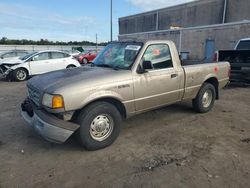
[
  {"x": 215, "y": 58},
  {"x": 229, "y": 72}
]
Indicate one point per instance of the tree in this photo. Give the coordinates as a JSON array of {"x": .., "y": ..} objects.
[
  {"x": 3, "y": 40},
  {"x": 6, "y": 41}
]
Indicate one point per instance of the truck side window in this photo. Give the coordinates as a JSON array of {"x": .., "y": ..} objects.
[{"x": 159, "y": 55}]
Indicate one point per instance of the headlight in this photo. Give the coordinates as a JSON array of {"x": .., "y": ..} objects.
[{"x": 53, "y": 101}]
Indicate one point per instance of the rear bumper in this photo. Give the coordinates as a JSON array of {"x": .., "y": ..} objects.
[{"x": 48, "y": 126}]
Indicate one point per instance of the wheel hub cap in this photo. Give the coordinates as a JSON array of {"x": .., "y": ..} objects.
[
  {"x": 21, "y": 75},
  {"x": 207, "y": 99},
  {"x": 101, "y": 127}
]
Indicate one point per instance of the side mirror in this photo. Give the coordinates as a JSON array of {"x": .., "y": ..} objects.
[{"x": 146, "y": 65}]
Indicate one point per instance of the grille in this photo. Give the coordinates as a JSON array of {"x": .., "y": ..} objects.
[{"x": 34, "y": 95}]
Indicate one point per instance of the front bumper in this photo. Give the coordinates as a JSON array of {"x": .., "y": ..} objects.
[{"x": 48, "y": 126}]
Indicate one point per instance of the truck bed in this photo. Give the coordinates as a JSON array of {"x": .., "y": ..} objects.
[{"x": 197, "y": 72}]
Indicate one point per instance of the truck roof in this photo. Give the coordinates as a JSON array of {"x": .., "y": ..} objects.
[
  {"x": 241, "y": 41},
  {"x": 244, "y": 39}
]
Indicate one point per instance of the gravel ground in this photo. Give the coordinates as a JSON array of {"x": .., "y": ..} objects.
[{"x": 169, "y": 147}]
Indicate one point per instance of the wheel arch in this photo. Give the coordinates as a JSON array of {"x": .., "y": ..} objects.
[
  {"x": 214, "y": 81},
  {"x": 70, "y": 65},
  {"x": 25, "y": 68},
  {"x": 12, "y": 73},
  {"x": 112, "y": 100}
]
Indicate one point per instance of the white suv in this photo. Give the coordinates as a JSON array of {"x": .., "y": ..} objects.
[{"x": 20, "y": 69}]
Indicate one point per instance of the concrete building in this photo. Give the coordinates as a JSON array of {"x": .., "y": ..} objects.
[{"x": 199, "y": 28}]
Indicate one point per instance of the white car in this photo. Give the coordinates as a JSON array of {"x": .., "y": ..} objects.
[{"x": 35, "y": 63}]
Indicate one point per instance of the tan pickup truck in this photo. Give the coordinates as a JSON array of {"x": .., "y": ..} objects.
[{"x": 126, "y": 78}]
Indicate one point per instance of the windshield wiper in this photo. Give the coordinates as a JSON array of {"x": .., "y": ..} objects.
[
  {"x": 105, "y": 65},
  {"x": 120, "y": 67}
]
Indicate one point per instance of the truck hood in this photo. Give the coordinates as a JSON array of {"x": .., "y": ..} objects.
[{"x": 57, "y": 81}]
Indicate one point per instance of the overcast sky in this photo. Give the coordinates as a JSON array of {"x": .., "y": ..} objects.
[{"x": 66, "y": 20}]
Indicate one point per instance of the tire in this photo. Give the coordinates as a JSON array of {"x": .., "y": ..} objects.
[
  {"x": 85, "y": 61},
  {"x": 70, "y": 66},
  {"x": 204, "y": 101},
  {"x": 100, "y": 125},
  {"x": 20, "y": 74}
]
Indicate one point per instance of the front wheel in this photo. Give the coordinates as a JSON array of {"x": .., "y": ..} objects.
[
  {"x": 204, "y": 101},
  {"x": 100, "y": 125},
  {"x": 20, "y": 74}
]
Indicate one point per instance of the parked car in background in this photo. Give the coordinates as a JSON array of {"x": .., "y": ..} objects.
[
  {"x": 239, "y": 58},
  {"x": 13, "y": 53},
  {"x": 86, "y": 57},
  {"x": 78, "y": 49},
  {"x": 36, "y": 63},
  {"x": 74, "y": 52}
]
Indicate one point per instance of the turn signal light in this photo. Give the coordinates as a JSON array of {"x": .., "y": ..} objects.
[{"x": 57, "y": 101}]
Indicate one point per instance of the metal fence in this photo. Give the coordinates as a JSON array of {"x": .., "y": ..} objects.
[{"x": 5, "y": 48}]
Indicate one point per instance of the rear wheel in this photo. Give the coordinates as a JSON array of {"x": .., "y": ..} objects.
[
  {"x": 100, "y": 125},
  {"x": 85, "y": 61},
  {"x": 204, "y": 101},
  {"x": 20, "y": 75}
]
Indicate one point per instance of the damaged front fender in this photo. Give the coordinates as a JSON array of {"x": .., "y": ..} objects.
[{"x": 5, "y": 71}]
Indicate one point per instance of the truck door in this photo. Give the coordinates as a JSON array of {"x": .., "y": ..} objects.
[{"x": 161, "y": 84}]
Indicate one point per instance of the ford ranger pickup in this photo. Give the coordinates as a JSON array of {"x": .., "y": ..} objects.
[{"x": 125, "y": 79}]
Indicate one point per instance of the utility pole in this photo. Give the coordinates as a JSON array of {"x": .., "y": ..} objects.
[
  {"x": 96, "y": 38},
  {"x": 111, "y": 20},
  {"x": 224, "y": 12}
]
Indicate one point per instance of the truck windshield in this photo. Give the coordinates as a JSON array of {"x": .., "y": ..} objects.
[
  {"x": 118, "y": 55},
  {"x": 243, "y": 45}
]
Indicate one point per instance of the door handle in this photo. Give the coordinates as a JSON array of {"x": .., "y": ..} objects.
[{"x": 174, "y": 75}]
